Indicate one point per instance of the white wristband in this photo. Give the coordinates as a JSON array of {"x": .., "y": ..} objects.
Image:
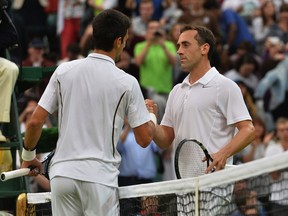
[
  {"x": 153, "y": 118},
  {"x": 28, "y": 155}
]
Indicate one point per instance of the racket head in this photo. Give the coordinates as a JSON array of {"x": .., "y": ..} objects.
[
  {"x": 189, "y": 157},
  {"x": 46, "y": 164}
]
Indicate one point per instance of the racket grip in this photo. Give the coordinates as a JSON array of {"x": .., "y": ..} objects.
[{"x": 14, "y": 174}]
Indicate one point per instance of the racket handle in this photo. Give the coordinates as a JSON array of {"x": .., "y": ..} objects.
[{"x": 14, "y": 174}]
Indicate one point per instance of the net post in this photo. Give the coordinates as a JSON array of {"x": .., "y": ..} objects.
[{"x": 21, "y": 205}]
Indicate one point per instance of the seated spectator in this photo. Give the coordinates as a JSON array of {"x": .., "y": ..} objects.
[
  {"x": 243, "y": 49},
  {"x": 257, "y": 148},
  {"x": 262, "y": 23},
  {"x": 245, "y": 70},
  {"x": 273, "y": 53},
  {"x": 248, "y": 98},
  {"x": 73, "y": 53},
  {"x": 280, "y": 144},
  {"x": 36, "y": 55},
  {"x": 8, "y": 76},
  {"x": 280, "y": 28},
  {"x": 279, "y": 184}
]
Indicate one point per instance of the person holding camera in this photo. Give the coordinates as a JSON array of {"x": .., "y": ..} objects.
[{"x": 155, "y": 57}]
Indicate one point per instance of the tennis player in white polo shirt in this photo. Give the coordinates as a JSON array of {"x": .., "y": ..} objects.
[
  {"x": 92, "y": 97},
  {"x": 206, "y": 106}
]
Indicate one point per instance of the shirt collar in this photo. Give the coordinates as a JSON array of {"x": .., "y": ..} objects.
[
  {"x": 204, "y": 80},
  {"x": 101, "y": 57}
]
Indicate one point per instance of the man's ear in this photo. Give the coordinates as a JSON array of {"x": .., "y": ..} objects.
[
  {"x": 205, "y": 48},
  {"x": 118, "y": 42}
]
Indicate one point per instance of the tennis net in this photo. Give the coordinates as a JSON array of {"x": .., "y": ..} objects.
[{"x": 259, "y": 187}]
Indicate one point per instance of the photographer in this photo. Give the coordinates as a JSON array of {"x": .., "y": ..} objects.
[{"x": 156, "y": 57}]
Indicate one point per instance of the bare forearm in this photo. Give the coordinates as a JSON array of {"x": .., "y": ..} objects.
[
  {"x": 164, "y": 136},
  {"x": 32, "y": 135},
  {"x": 245, "y": 136}
]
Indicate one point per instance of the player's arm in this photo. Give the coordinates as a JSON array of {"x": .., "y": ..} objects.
[
  {"x": 144, "y": 133},
  {"x": 245, "y": 135},
  {"x": 164, "y": 136},
  {"x": 32, "y": 136},
  {"x": 34, "y": 127}
]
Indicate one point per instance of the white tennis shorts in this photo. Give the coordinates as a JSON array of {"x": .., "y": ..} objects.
[{"x": 76, "y": 198}]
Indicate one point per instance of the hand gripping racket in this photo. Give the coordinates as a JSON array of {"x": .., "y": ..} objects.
[
  {"x": 25, "y": 171},
  {"x": 189, "y": 157}
]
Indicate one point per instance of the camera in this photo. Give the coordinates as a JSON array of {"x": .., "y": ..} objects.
[{"x": 158, "y": 33}]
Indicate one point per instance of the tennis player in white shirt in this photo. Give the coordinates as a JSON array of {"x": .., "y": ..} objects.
[{"x": 92, "y": 97}]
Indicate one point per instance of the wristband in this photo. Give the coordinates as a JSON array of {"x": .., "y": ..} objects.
[
  {"x": 28, "y": 155},
  {"x": 153, "y": 118}
]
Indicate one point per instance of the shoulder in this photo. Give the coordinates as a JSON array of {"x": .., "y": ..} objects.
[{"x": 224, "y": 85}]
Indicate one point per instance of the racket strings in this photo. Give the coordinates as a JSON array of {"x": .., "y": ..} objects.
[{"x": 191, "y": 162}]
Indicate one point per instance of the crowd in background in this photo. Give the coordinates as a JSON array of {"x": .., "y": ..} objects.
[{"x": 251, "y": 37}]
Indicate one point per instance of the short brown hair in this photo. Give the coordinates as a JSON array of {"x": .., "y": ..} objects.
[{"x": 204, "y": 35}]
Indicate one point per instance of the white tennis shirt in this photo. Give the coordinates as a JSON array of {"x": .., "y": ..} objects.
[
  {"x": 206, "y": 110},
  {"x": 92, "y": 97}
]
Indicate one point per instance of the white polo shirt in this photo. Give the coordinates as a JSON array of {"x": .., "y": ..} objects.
[
  {"x": 92, "y": 96},
  {"x": 206, "y": 110}
]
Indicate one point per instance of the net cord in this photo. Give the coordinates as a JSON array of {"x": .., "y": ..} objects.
[{"x": 247, "y": 170}]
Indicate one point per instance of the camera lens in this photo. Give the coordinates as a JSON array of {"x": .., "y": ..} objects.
[{"x": 157, "y": 34}]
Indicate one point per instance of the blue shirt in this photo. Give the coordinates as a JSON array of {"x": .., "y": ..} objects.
[
  {"x": 229, "y": 17},
  {"x": 137, "y": 161}
]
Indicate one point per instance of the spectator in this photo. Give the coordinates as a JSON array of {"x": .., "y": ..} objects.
[
  {"x": 37, "y": 58},
  {"x": 138, "y": 165},
  {"x": 199, "y": 15},
  {"x": 245, "y": 71},
  {"x": 279, "y": 184},
  {"x": 281, "y": 143},
  {"x": 256, "y": 150},
  {"x": 280, "y": 28},
  {"x": 73, "y": 53},
  {"x": 8, "y": 76},
  {"x": 246, "y": 201},
  {"x": 156, "y": 57},
  {"x": 276, "y": 83},
  {"x": 37, "y": 55},
  {"x": 140, "y": 23},
  {"x": 96, "y": 7},
  {"x": 243, "y": 49},
  {"x": 248, "y": 98},
  {"x": 68, "y": 23},
  {"x": 262, "y": 23},
  {"x": 8, "y": 69},
  {"x": 233, "y": 27},
  {"x": 272, "y": 54}
]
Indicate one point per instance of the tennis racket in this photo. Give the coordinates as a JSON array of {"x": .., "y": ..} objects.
[
  {"x": 25, "y": 171},
  {"x": 189, "y": 157}
]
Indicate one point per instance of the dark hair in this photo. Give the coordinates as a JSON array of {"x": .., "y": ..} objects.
[
  {"x": 260, "y": 121},
  {"x": 247, "y": 59},
  {"x": 204, "y": 35},
  {"x": 283, "y": 7},
  {"x": 262, "y": 8},
  {"x": 107, "y": 26}
]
